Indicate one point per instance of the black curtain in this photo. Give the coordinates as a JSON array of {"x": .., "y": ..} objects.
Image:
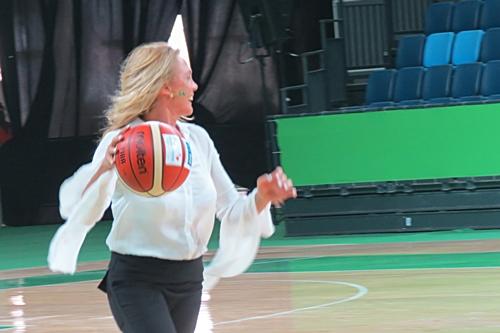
[
  {"x": 237, "y": 87},
  {"x": 60, "y": 61}
]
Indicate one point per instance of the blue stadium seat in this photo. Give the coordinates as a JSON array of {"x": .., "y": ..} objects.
[
  {"x": 466, "y": 15},
  {"x": 489, "y": 15},
  {"x": 380, "y": 88},
  {"x": 438, "y": 48},
  {"x": 408, "y": 87},
  {"x": 467, "y": 47},
  {"x": 437, "y": 83},
  {"x": 490, "y": 83},
  {"x": 438, "y": 17},
  {"x": 490, "y": 48},
  {"x": 410, "y": 51},
  {"x": 466, "y": 82}
]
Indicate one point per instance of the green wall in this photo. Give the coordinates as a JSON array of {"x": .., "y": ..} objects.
[{"x": 411, "y": 144}]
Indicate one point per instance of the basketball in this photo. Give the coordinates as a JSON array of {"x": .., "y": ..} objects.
[{"x": 153, "y": 159}]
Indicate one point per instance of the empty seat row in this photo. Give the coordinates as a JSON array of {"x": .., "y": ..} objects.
[
  {"x": 462, "y": 15},
  {"x": 443, "y": 84},
  {"x": 447, "y": 47}
]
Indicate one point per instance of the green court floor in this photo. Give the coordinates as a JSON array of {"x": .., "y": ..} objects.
[{"x": 26, "y": 247}]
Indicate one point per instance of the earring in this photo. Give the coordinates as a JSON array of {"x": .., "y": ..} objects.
[{"x": 171, "y": 95}]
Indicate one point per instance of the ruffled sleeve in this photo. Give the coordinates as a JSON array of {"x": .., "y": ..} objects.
[
  {"x": 242, "y": 227},
  {"x": 81, "y": 210}
]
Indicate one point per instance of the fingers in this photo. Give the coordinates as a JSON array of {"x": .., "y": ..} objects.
[
  {"x": 283, "y": 187},
  {"x": 282, "y": 180},
  {"x": 116, "y": 140},
  {"x": 276, "y": 187},
  {"x": 120, "y": 136},
  {"x": 125, "y": 129},
  {"x": 110, "y": 154},
  {"x": 112, "y": 148}
]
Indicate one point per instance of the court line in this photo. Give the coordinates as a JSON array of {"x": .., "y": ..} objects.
[
  {"x": 25, "y": 319},
  {"x": 281, "y": 260},
  {"x": 271, "y": 261},
  {"x": 469, "y": 268},
  {"x": 382, "y": 270},
  {"x": 361, "y": 292},
  {"x": 309, "y": 245}
]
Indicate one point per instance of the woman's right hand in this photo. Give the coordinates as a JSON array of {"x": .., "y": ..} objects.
[{"x": 109, "y": 158}]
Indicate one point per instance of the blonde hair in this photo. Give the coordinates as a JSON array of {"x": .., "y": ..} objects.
[{"x": 143, "y": 73}]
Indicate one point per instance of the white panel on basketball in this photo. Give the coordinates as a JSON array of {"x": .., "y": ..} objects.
[
  {"x": 173, "y": 147},
  {"x": 157, "y": 188}
]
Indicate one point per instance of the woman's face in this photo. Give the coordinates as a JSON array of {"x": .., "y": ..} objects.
[{"x": 182, "y": 88}]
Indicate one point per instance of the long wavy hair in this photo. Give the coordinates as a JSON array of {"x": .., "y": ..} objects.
[{"x": 143, "y": 74}]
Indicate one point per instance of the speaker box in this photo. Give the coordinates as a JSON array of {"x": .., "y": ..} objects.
[{"x": 267, "y": 22}]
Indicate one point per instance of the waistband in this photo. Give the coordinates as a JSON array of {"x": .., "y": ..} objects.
[{"x": 151, "y": 269}]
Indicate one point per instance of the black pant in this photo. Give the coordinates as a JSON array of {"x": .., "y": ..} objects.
[{"x": 153, "y": 295}]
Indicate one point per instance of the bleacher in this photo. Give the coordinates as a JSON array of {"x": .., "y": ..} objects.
[
  {"x": 456, "y": 61},
  {"x": 432, "y": 109}
]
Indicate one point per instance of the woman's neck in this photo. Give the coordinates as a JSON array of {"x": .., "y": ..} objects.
[{"x": 161, "y": 112}]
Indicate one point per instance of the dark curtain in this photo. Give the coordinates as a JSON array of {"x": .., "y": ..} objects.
[
  {"x": 20, "y": 57},
  {"x": 60, "y": 61},
  {"x": 237, "y": 90},
  {"x": 105, "y": 31}
]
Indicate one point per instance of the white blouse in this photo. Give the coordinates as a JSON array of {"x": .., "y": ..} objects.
[{"x": 174, "y": 226}]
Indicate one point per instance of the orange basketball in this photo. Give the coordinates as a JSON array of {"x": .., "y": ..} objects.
[{"x": 153, "y": 159}]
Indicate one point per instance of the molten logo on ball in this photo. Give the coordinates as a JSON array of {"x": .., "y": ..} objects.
[
  {"x": 141, "y": 151},
  {"x": 153, "y": 159}
]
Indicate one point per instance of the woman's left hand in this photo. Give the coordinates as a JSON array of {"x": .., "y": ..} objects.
[{"x": 274, "y": 187}]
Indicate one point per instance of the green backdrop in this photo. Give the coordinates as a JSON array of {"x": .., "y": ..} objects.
[{"x": 392, "y": 145}]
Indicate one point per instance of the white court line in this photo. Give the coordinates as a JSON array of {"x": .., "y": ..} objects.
[
  {"x": 310, "y": 245},
  {"x": 357, "y": 270},
  {"x": 11, "y": 319},
  {"x": 286, "y": 259},
  {"x": 361, "y": 292},
  {"x": 58, "y": 284},
  {"x": 409, "y": 242},
  {"x": 100, "y": 318},
  {"x": 380, "y": 270}
]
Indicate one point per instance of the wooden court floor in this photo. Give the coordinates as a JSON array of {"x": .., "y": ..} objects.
[{"x": 327, "y": 288}]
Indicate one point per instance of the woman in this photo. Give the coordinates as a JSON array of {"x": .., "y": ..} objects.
[{"x": 155, "y": 274}]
